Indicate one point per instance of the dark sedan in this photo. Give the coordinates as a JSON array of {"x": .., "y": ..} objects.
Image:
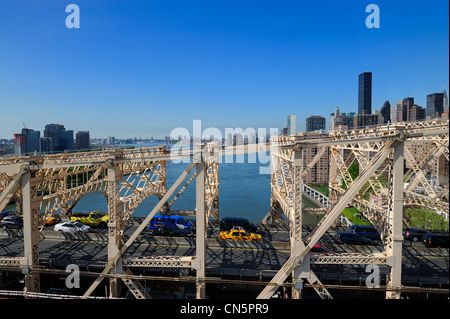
[
  {"x": 414, "y": 234},
  {"x": 348, "y": 237},
  {"x": 170, "y": 230}
]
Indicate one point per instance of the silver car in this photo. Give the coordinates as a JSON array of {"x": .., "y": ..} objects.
[{"x": 72, "y": 227}]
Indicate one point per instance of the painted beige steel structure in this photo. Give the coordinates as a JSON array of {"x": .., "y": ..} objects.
[
  {"x": 380, "y": 153},
  {"x": 42, "y": 185}
]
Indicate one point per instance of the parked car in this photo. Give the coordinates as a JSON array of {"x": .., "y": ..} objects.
[
  {"x": 72, "y": 227},
  {"x": 436, "y": 239},
  {"x": 348, "y": 237},
  {"x": 227, "y": 223},
  {"x": 171, "y": 230},
  {"x": 12, "y": 222},
  {"x": 414, "y": 234},
  {"x": 366, "y": 231}
]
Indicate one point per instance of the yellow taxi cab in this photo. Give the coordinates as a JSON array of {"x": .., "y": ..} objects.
[{"x": 239, "y": 233}]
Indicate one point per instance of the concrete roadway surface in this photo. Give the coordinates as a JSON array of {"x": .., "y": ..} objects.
[{"x": 271, "y": 254}]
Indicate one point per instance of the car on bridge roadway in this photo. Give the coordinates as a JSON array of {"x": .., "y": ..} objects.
[
  {"x": 348, "y": 237},
  {"x": 11, "y": 222},
  {"x": 239, "y": 233},
  {"x": 414, "y": 234},
  {"x": 171, "y": 230},
  {"x": 366, "y": 231},
  {"x": 72, "y": 227},
  {"x": 431, "y": 239},
  {"x": 318, "y": 249}
]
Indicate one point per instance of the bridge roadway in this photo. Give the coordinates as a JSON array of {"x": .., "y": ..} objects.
[{"x": 420, "y": 264}]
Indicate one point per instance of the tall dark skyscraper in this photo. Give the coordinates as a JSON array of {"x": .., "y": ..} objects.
[
  {"x": 435, "y": 104},
  {"x": 365, "y": 93}
]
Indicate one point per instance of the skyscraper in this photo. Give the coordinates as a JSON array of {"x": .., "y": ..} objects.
[
  {"x": 52, "y": 131},
  {"x": 292, "y": 124},
  {"x": 82, "y": 141},
  {"x": 435, "y": 104},
  {"x": 386, "y": 112},
  {"x": 365, "y": 93},
  {"x": 62, "y": 140},
  {"x": 32, "y": 140},
  {"x": 445, "y": 99},
  {"x": 315, "y": 123}
]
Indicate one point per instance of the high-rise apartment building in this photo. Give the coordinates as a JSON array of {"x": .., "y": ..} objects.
[
  {"x": 46, "y": 145},
  {"x": 19, "y": 144},
  {"x": 319, "y": 173},
  {"x": 403, "y": 109},
  {"x": 82, "y": 140},
  {"x": 32, "y": 140},
  {"x": 365, "y": 93},
  {"x": 292, "y": 124},
  {"x": 62, "y": 140},
  {"x": 315, "y": 123}
]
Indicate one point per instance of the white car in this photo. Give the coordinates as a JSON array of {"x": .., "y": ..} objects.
[{"x": 72, "y": 227}]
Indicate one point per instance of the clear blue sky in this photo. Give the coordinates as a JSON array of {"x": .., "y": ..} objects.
[{"x": 142, "y": 68}]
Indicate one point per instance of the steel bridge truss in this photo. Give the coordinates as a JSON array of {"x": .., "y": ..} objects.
[
  {"x": 380, "y": 154},
  {"x": 44, "y": 185}
]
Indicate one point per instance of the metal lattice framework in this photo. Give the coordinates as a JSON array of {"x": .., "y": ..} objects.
[
  {"x": 45, "y": 184},
  {"x": 380, "y": 153}
]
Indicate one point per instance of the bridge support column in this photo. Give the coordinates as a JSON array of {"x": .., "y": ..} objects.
[
  {"x": 200, "y": 228},
  {"x": 30, "y": 236},
  {"x": 295, "y": 220},
  {"x": 394, "y": 231},
  {"x": 114, "y": 227}
]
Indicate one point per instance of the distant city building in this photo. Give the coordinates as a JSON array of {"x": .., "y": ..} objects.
[
  {"x": 315, "y": 123},
  {"x": 319, "y": 173},
  {"x": 66, "y": 140},
  {"x": 363, "y": 120},
  {"x": 407, "y": 111},
  {"x": 416, "y": 113},
  {"x": 112, "y": 140},
  {"x": 385, "y": 111},
  {"x": 46, "y": 145},
  {"x": 19, "y": 144},
  {"x": 365, "y": 93},
  {"x": 292, "y": 124},
  {"x": 52, "y": 131},
  {"x": 340, "y": 120},
  {"x": 435, "y": 104},
  {"x": 394, "y": 108},
  {"x": 82, "y": 140},
  {"x": 32, "y": 141},
  {"x": 62, "y": 140},
  {"x": 445, "y": 100}
]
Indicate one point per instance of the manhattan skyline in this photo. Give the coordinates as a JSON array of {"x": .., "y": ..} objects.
[{"x": 146, "y": 67}]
